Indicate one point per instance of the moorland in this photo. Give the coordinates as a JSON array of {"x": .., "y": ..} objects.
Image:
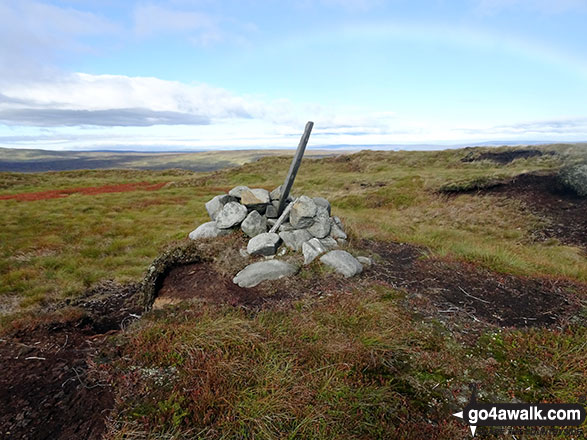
[{"x": 479, "y": 277}]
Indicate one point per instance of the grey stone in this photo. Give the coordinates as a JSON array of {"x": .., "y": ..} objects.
[
  {"x": 336, "y": 231},
  {"x": 254, "y": 224},
  {"x": 271, "y": 222},
  {"x": 311, "y": 249},
  {"x": 271, "y": 212},
  {"x": 243, "y": 252},
  {"x": 338, "y": 222},
  {"x": 276, "y": 193},
  {"x": 341, "y": 242},
  {"x": 260, "y": 271},
  {"x": 253, "y": 197},
  {"x": 321, "y": 226},
  {"x": 237, "y": 190},
  {"x": 321, "y": 201},
  {"x": 302, "y": 213},
  {"x": 232, "y": 214},
  {"x": 294, "y": 239},
  {"x": 208, "y": 230},
  {"x": 329, "y": 243},
  {"x": 263, "y": 244},
  {"x": 215, "y": 205},
  {"x": 365, "y": 261},
  {"x": 285, "y": 227},
  {"x": 342, "y": 262}
]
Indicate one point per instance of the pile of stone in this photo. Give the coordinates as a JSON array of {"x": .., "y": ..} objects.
[{"x": 305, "y": 225}]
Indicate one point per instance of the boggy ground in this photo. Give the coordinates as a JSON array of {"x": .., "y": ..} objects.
[
  {"x": 53, "y": 387},
  {"x": 543, "y": 194}
]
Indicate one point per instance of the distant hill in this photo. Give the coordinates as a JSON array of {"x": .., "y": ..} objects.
[{"x": 17, "y": 160}]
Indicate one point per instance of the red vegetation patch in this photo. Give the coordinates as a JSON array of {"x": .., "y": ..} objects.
[{"x": 88, "y": 190}]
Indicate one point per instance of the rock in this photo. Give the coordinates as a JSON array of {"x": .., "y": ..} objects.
[
  {"x": 215, "y": 205},
  {"x": 253, "y": 197},
  {"x": 574, "y": 177},
  {"x": 237, "y": 190},
  {"x": 254, "y": 224},
  {"x": 281, "y": 252},
  {"x": 285, "y": 227},
  {"x": 271, "y": 212},
  {"x": 208, "y": 230},
  {"x": 338, "y": 222},
  {"x": 276, "y": 193},
  {"x": 255, "y": 273},
  {"x": 271, "y": 222},
  {"x": 321, "y": 226},
  {"x": 336, "y": 231},
  {"x": 365, "y": 261},
  {"x": 294, "y": 239},
  {"x": 342, "y": 262},
  {"x": 311, "y": 249},
  {"x": 263, "y": 244},
  {"x": 321, "y": 201},
  {"x": 232, "y": 214},
  {"x": 243, "y": 253},
  {"x": 302, "y": 213},
  {"x": 329, "y": 243}
]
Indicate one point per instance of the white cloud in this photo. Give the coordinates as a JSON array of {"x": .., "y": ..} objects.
[{"x": 33, "y": 34}]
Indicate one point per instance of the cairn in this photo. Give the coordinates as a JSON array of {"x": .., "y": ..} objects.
[{"x": 305, "y": 225}]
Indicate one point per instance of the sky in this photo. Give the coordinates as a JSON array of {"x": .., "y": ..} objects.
[{"x": 203, "y": 74}]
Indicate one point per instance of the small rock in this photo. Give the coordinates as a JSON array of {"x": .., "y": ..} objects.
[
  {"x": 338, "y": 222},
  {"x": 342, "y": 262},
  {"x": 294, "y": 239},
  {"x": 365, "y": 261},
  {"x": 336, "y": 231},
  {"x": 321, "y": 201},
  {"x": 208, "y": 230},
  {"x": 254, "y": 224},
  {"x": 281, "y": 252},
  {"x": 285, "y": 227},
  {"x": 260, "y": 271},
  {"x": 271, "y": 222},
  {"x": 276, "y": 193},
  {"x": 215, "y": 205},
  {"x": 232, "y": 214},
  {"x": 311, "y": 249},
  {"x": 243, "y": 252},
  {"x": 253, "y": 197},
  {"x": 321, "y": 226},
  {"x": 302, "y": 213},
  {"x": 263, "y": 244},
  {"x": 271, "y": 212},
  {"x": 329, "y": 243},
  {"x": 237, "y": 190}
]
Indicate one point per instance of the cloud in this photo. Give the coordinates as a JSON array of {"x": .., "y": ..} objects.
[
  {"x": 199, "y": 28},
  {"x": 33, "y": 35},
  {"x": 573, "y": 126},
  {"x": 134, "y": 117},
  {"x": 117, "y": 100}
]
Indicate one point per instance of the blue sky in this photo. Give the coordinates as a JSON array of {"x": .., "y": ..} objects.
[{"x": 180, "y": 74}]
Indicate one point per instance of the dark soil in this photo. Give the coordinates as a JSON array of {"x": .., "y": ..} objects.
[
  {"x": 51, "y": 386},
  {"x": 565, "y": 211},
  {"x": 505, "y": 157},
  {"x": 451, "y": 289}
]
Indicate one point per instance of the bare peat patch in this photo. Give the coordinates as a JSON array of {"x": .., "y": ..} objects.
[
  {"x": 52, "y": 386},
  {"x": 451, "y": 289},
  {"x": 506, "y": 157}
]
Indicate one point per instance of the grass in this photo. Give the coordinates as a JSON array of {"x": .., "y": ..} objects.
[{"x": 354, "y": 365}]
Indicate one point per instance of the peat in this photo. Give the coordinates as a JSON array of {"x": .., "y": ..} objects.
[{"x": 505, "y": 157}]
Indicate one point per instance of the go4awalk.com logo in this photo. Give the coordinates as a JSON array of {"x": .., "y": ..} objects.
[{"x": 520, "y": 414}]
